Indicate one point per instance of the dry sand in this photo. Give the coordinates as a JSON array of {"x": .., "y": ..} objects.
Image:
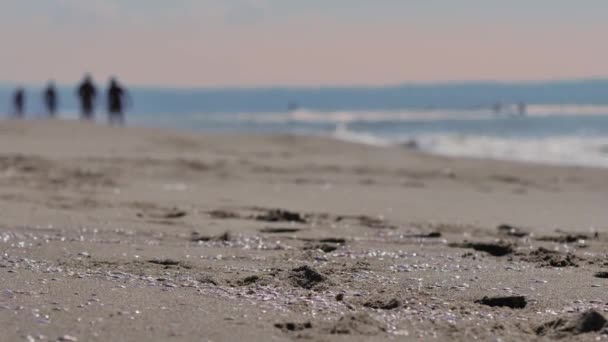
[{"x": 141, "y": 234}]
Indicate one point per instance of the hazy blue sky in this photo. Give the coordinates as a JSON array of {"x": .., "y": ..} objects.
[{"x": 270, "y": 42}]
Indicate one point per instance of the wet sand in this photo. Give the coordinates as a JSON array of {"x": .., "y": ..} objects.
[{"x": 143, "y": 234}]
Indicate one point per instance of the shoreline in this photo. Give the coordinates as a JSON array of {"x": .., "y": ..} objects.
[{"x": 143, "y": 233}]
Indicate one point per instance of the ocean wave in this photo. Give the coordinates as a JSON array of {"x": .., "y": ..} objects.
[{"x": 565, "y": 150}]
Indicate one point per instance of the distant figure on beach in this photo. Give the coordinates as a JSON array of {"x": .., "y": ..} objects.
[
  {"x": 87, "y": 93},
  {"x": 522, "y": 109},
  {"x": 19, "y": 102},
  {"x": 292, "y": 106},
  {"x": 497, "y": 108},
  {"x": 117, "y": 98},
  {"x": 50, "y": 99}
]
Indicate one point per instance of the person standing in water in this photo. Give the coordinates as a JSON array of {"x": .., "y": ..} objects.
[
  {"x": 117, "y": 98},
  {"x": 50, "y": 99},
  {"x": 19, "y": 102},
  {"x": 87, "y": 94}
]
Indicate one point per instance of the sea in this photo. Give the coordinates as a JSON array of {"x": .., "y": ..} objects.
[{"x": 552, "y": 122}]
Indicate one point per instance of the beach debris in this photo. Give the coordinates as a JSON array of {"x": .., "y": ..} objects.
[
  {"x": 549, "y": 258},
  {"x": 431, "y": 235},
  {"x": 512, "y": 231},
  {"x": 168, "y": 263},
  {"x": 306, "y": 277},
  {"x": 383, "y": 304},
  {"x": 332, "y": 240},
  {"x": 223, "y": 214},
  {"x": 500, "y": 248},
  {"x": 173, "y": 213},
  {"x": 359, "y": 324},
  {"x": 338, "y": 241},
  {"x": 567, "y": 238},
  {"x": 206, "y": 279},
  {"x": 280, "y": 215},
  {"x": 164, "y": 262},
  {"x": 586, "y": 322},
  {"x": 67, "y": 338},
  {"x": 249, "y": 280},
  {"x": 279, "y": 230},
  {"x": 325, "y": 247},
  {"x": 291, "y": 326},
  {"x": 513, "y": 302},
  {"x": 603, "y": 275},
  {"x": 196, "y": 237},
  {"x": 368, "y": 221},
  {"x": 340, "y": 297}
]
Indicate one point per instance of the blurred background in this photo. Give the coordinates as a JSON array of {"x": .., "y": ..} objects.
[{"x": 509, "y": 80}]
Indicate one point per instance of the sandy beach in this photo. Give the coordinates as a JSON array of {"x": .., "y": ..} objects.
[{"x": 131, "y": 234}]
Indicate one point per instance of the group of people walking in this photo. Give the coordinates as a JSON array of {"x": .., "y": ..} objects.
[{"x": 87, "y": 94}]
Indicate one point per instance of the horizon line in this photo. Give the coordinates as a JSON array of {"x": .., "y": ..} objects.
[{"x": 489, "y": 82}]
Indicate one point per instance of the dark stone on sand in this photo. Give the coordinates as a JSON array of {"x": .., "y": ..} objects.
[
  {"x": 280, "y": 230},
  {"x": 361, "y": 324},
  {"x": 280, "y": 215},
  {"x": 291, "y": 326},
  {"x": 175, "y": 213},
  {"x": 367, "y": 221},
  {"x": 495, "y": 249},
  {"x": 603, "y": 275},
  {"x": 206, "y": 279},
  {"x": 431, "y": 235},
  {"x": 383, "y": 304},
  {"x": 223, "y": 214},
  {"x": 513, "y": 302},
  {"x": 224, "y": 237},
  {"x": 171, "y": 214},
  {"x": 340, "y": 297},
  {"x": 196, "y": 237},
  {"x": 586, "y": 322},
  {"x": 169, "y": 263},
  {"x": 568, "y": 238},
  {"x": 333, "y": 240},
  {"x": 164, "y": 262},
  {"x": 249, "y": 280},
  {"x": 512, "y": 231},
  {"x": 325, "y": 247},
  {"x": 306, "y": 277},
  {"x": 548, "y": 258}
]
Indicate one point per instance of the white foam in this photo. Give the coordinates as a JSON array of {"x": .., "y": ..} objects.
[
  {"x": 583, "y": 151},
  {"x": 349, "y": 117},
  {"x": 343, "y": 133},
  {"x": 580, "y": 151}
]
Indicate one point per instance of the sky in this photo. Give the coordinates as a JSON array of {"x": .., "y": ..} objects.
[{"x": 224, "y": 43}]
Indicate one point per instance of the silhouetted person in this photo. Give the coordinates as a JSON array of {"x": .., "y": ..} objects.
[
  {"x": 50, "y": 100},
  {"x": 117, "y": 98},
  {"x": 87, "y": 93},
  {"x": 19, "y": 102},
  {"x": 292, "y": 106},
  {"x": 497, "y": 108},
  {"x": 522, "y": 109}
]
